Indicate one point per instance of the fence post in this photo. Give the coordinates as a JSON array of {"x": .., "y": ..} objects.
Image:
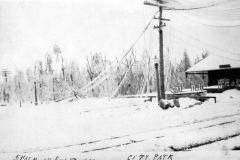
[
  {"x": 35, "y": 94},
  {"x": 20, "y": 93},
  {"x": 53, "y": 90}
]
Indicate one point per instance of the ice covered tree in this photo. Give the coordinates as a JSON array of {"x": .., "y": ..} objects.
[
  {"x": 48, "y": 63},
  {"x": 196, "y": 60},
  {"x": 205, "y": 54},
  {"x": 29, "y": 84},
  {"x": 40, "y": 79},
  {"x": 58, "y": 54},
  {"x": 29, "y": 75},
  {"x": 201, "y": 78},
  {"x": 75, "y": 77},
  {"x": 38, "y": 69},
  {"x": 95, "y": 65},
  {"x": 19, "y": 86},
  {"x": 178, "y": 71},
  {"x": 186, "y": 64}
]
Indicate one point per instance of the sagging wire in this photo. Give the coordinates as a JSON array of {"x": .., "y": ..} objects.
[{"x": 202, "y": 49}]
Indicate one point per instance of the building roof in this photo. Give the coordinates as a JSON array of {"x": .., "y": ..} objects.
[{"x": 213, "y": 62}]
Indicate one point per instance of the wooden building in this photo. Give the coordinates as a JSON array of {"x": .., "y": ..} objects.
[{"x": 217, "y": 67}]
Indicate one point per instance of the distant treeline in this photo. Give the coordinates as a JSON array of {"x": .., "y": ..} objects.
[{"x": 131, "y": 76}]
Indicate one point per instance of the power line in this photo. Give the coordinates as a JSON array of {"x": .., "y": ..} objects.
[
  {"x": 206, "y": 24},
  {"x": 204, "y": 42},
  {"x": 201, "y": 48},
  {"x": 199, "y": 7},
  {"x": 177, "y": 6},
  {"x": 231, "y": 9},
  {"x": 215, "y": 16},
  {"x": 105, "y": 73},
  {"x": 185, "y": 9},
  {"x": 139, "y": 36},
  {"x": 191, "y": 6}
]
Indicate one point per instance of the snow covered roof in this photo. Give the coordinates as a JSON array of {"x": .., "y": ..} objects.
[{"x": 213, "y": 62}]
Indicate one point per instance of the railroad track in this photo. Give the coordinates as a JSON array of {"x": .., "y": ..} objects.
[
  {"x": 168, "y": 132},
  {"x": 113, "y": 142}
]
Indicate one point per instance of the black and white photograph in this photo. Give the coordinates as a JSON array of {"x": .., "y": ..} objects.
[{"x": 125, "y": 79}]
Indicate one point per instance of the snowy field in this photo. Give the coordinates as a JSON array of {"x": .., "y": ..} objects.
[{"x": 121, "y": 125}]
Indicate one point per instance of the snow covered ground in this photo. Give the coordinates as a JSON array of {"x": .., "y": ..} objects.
[{"x": 124, "y": 124}]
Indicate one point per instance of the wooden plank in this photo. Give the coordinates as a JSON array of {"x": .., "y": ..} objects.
[{"x": 204, "y": 97}]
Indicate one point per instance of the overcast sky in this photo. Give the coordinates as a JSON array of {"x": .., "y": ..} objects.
[{"x": 29, "y": 29}]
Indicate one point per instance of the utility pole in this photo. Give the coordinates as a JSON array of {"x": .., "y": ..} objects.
[
  {"x": 162, "y": 88},
  {"x": 157, "y": 75},
  {"x": 5, "y": 73},
  {"x": 35, "y": 93},
  {"x": 161, "y": 59},
  {"x": 40, "y": 96}
]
